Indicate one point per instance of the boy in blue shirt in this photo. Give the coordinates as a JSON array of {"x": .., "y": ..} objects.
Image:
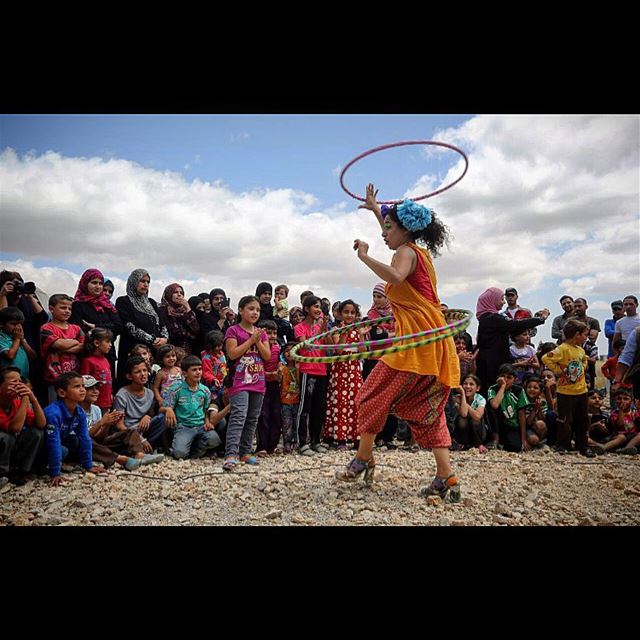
[
  {"x": 194, "y": 433},
  {"x": 67, "y": 435}
]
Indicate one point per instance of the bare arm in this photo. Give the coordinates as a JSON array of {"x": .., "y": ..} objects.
[
  {"x": 372, "y": 205},
  {"x": 402, "y": 265}
]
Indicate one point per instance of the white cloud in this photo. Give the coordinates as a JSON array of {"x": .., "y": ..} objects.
[{"x": 546, "y": 200}]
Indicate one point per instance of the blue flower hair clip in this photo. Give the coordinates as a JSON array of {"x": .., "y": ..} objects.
[{"x": 413, "y": 216}]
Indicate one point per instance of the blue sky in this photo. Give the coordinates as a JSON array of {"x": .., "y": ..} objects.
[{"x": 233, "y": 200}]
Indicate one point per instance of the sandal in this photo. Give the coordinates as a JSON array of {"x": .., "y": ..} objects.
[
  {"x": 356, "y": 468},
  {"x": 442, "y": 486},
  {"x": 230, "y": 464},
  {"x": 249, "y": 458}
]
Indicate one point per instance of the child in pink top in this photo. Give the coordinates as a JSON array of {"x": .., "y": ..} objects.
[{"x": 96, "y": 364}]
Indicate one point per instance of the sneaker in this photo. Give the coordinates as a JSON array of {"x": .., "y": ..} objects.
[
  {"x": 152, "y": 458},
  {"x": 230, "y": 464},
  {"x": 249, "y": 458},
  {"x": 132, "y": 464},
  {"x": 321, "y": 448},
  {"x": 306, "y": 450},
  {"x": 629, "y": 451},
  {"x": 3, "y": 480}
]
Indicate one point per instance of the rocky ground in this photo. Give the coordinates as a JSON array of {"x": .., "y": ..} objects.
[{"x": 502, "y": 489}]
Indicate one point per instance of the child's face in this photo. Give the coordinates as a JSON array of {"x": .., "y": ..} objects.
[
  {"x": 139, "y": 374},
  {"x": 379, "y": 300},
  {"x": 92, "y": 393},
  {"x": 250, "y": 313},
  {"x": 169, "y": 359},
  {"x": 336, "y": 313},
  {"x": 273, "y": 336},
  {"x": 315, "y": 311},
  {"x": 548, "y": 377},
  {"x": 296, "y": 317},
  {"x": 348, "y": 314},
  {"x": 104, "y": 345},
  {"x": 595, "y": 403},
  {"x": 280, "y": 294},
  {"x": 11, "y": 379},
  {"x": 461, "y": 345},
  {"x": 470, "y": 387},
  {"x": 593, "y": 335},
  {"x": 265, "y": 298},
  {"x": 624, "y": 401},
  {"x": 581, "y": 337},
  {"x": 522, "y": 338},
  {"x": 533, "y": 389},
  {"x": 287, "y": 356},
  {"x": 217, "y": 349},
  {"x": 193, "y": 374},
  {"x": 95, "y": 287},
  {"x": 75, "y": 392},
  {"x": 509, "y": 380},
  {"x": 108, "y": 289},
  {"x": 11, "y": 325},
  {"x": 62, "y": 311},
  {"x": 146, "y": 354}
]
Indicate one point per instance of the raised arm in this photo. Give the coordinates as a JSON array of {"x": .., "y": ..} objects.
[{"x": 372, "y": 205}]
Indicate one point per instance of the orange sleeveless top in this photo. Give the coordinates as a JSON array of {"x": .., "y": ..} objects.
[{"x": 416, "y": 307}]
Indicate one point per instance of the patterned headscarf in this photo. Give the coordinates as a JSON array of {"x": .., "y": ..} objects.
[
  {"x": 488, "y": 301},
  {"x": 173, "y": 309},
  {"x": 140, "y": 303},
  {"x": 101, "y": 302},
  {"x": 385, "y": 310}
]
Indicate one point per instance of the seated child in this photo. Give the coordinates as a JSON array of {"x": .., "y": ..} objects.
[
  {"x": 523, "y": 356},
  {"x": 470, "y": 427},
  {"x": 270, "y": 422},
  {"x": 599, "y": 431},
  {"x": 214, "y": 365},
  {"x": 144, "y": 352},
  {"x": 503, "y": 399},
  {"x": 137, "y": 403},
  {"x": 14, "y": 349},
  {"x": 532, "y": 414},
  {"x": 289, "y": 398},
  {"x": 108, "y": 443},
  {"x": 22, "y": 423},
  {"x": 281, "y": 308},
  {"x": 194, "y": 434},
  {"x": 624, "y": 422},
  {"x": 60, "y": 342},
  {"x": 67, "y": 436}
]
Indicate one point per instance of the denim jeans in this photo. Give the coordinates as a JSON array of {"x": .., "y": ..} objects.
[
  {"x": 243, "y": 419},
  {"x": 156, "y": 428},
  {"x": 193, "y": 442}
]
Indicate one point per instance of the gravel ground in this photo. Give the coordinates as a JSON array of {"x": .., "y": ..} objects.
[{"x": 498, "y": 488}]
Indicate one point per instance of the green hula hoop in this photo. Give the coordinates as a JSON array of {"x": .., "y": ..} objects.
[{"x": 460, "y": 321}]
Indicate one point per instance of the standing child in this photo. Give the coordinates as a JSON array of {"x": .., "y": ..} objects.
[
  {"x": 194, "y": 434},
  {"x": 14, "y": 349},
  {"x": 248, "y": 348},
  {"x": 21, "y": 427},
  {"x": 532, "y": 413},
  {"x": 67, "y": 435},
  {"x": 214, "y": 365},
  {"x": 97, "y": 365},
  {"x": 60, "y": 342},
  {"x": 345, "y": 381},
  {"x": 591, "y": 349},
  {"x": 609, "y": 367},
  {"x": 569, "y": 362},
  {"x": 289, "y": 398},
  {"x": 523, "y": 356},
  {"x": 270, "y": 421},
  {"x": 313, "y": 383},
  {"x": 470, "y": 424},
  {"x": 169, "y": 378}
]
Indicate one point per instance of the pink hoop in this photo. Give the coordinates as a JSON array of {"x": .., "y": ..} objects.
[{"x": 403, "y": 144}]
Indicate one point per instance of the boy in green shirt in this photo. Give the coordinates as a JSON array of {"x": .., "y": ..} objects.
[
  {"x": 503, "y": 399},
  {"x": 194, "y": 432}
]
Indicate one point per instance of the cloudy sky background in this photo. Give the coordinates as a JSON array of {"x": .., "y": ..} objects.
[{"x": 549, "y": 205}]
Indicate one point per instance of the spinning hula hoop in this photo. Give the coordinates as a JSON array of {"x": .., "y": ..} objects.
[
  {"x": 404, "y": 144},
  {"x": 460, "y": 319}
]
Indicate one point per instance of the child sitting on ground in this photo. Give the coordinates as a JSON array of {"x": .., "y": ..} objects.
[
  {"x": 138, "y": 403},
  {"x": 188, "y": 414},
  {"x": 15, "y": 351},
  {"x": 214, "y": 365},
  {"x": 532, "y": 414},
  {"x": 503, "y": 398},
  {"x": 599, "y": 428},
  {"x": 523, "y": 356},
  {"x": 22, "y": 423},
  {"x": 624, "y": 422},
  {"x": 60, "y": 342},
  {"x": 67, "y": 436},
  {"x": 470, "y": 427},
  {"x": 108, "y": 444}
]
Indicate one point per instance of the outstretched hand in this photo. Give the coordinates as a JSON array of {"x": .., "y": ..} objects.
[{"x": 370, "y": 202}]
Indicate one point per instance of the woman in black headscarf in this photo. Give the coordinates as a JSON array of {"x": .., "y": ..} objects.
[{"x": 220, "y": 318}]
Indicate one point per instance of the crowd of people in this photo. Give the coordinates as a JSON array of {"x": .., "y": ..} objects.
[{"x": 194, "y": 377}]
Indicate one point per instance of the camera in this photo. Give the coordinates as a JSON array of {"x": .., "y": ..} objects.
[
  {"x": 24, "y": 287},
  {"x": 226, "y": 302}
]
